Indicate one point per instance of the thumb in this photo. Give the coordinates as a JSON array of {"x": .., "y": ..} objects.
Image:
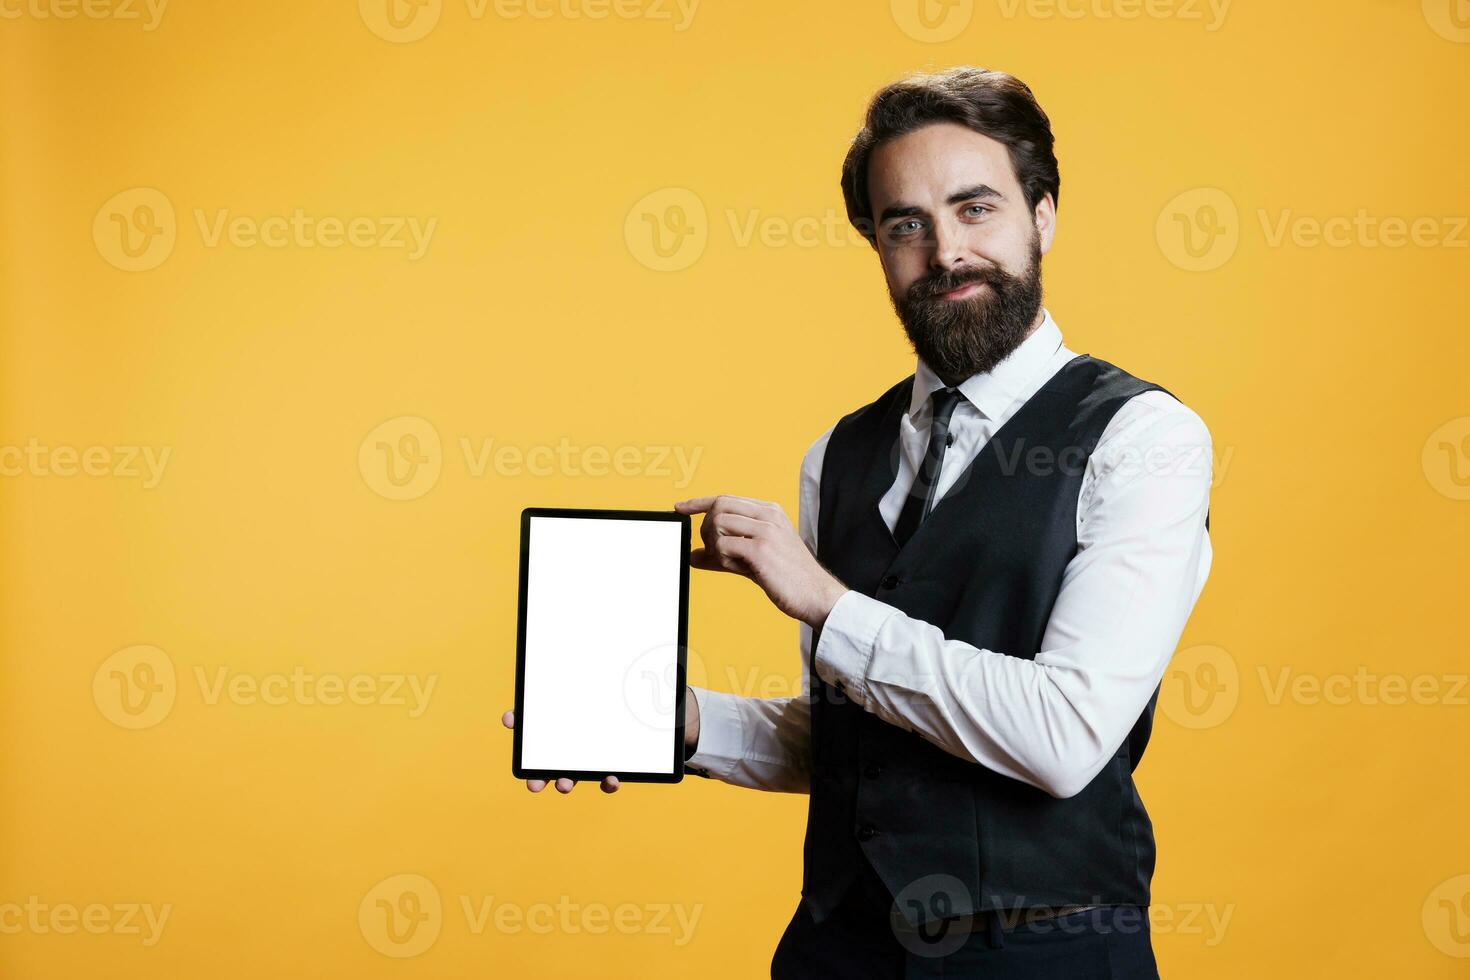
[{"x": 708, "y": 560}]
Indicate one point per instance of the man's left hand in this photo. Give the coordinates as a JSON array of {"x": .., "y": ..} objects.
[{"x": 754, "y": 538}]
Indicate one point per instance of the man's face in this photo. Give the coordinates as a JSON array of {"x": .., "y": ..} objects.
[{"x": 959, "y": 246}]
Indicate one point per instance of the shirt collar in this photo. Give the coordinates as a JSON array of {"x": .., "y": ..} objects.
[{"x": 994, "y": 391}]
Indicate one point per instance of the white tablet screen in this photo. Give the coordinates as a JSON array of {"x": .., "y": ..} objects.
[{"x": 601, "y": 644}]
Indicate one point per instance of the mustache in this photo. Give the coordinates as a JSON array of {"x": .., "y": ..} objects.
[{"x": 952, "y": 279}]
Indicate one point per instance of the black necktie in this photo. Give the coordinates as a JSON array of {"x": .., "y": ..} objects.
[{"x": 921, "y": 495}]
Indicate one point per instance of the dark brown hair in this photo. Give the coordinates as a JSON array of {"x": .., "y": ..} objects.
[{"x": 991, "y": 103}]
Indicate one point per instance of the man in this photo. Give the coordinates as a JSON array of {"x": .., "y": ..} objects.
[{"x": 994, "y": 563}]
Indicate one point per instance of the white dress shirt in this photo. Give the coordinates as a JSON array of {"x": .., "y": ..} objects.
[{"x": 1052, "y": 721}]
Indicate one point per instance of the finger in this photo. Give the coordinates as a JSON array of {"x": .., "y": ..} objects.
[
  {"x": 736, "y": 552},
  {"x": 535, "y": 785},
  {"x": 508, "y": 719},
  {"x": 746, "y": 506},
  {"x": 564, "y": 785},
  {"x": 729, "y": 502},
  {"x": 729, "y": 523},
  {"x": 711, "y": 560},
  {"x": 721, "y": 523},
  {"x": 610, "y": 784},
  {"x": 765, "y": 510},
  {"x": 705, "y": 505}
]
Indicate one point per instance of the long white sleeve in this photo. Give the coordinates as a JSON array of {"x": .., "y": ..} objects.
[
  {"x": 1054, "y": 721},
  {"x": 762, "y": 743}
]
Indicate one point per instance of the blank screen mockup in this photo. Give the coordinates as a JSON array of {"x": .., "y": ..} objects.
[{"x": 601, "y": 645}]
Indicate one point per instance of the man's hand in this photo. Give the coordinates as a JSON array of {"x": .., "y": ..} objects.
[
  {"x": 754, "y": 538},
  {"x": 563, "y": 785},
  {"x": 610, "y": 784}
]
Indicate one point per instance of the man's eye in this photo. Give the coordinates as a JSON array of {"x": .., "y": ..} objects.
[
  {"x": 976, "y": 210},
  {"x": 907, "y": 227}
]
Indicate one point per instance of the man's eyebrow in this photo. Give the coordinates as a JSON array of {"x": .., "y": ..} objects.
[
  {"x": 901, "y": 210},
  {"x": 970, "y": 193}
]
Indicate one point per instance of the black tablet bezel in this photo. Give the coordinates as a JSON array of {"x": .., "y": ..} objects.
[{"x": 677, "y": 775}]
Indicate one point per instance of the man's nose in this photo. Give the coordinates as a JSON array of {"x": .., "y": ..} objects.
[{"x": 949, "y": 251}]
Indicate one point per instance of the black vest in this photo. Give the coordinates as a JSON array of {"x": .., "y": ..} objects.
[{"x": 985, "y": 567}]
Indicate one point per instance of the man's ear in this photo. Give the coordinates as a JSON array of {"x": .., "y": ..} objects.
[{"x": 1046, "y": 222}]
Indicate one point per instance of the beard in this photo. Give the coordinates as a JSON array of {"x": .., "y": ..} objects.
[{"x": 959, "y": 338}]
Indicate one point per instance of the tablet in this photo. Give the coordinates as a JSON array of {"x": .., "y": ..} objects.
[{"x": 601, "y": 645}]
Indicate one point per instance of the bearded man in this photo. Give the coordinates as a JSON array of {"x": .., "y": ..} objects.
[{"x": 994, "y": 562}]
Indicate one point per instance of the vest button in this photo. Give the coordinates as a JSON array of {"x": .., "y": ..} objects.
[
  {"x": 865, "y": 832},
  {"x": 889, "y": 582},
  {"x": 873, "y": 771}
]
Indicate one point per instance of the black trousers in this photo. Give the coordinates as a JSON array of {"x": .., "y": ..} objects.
[{"x": 860, "y": 940}]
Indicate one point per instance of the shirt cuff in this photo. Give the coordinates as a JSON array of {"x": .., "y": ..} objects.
[
  {"x": 848, "y": 641},
  {"x": 721, "y": 734}
]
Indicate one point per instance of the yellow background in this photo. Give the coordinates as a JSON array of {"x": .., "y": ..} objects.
[{"x": 1331, "y": 834}]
